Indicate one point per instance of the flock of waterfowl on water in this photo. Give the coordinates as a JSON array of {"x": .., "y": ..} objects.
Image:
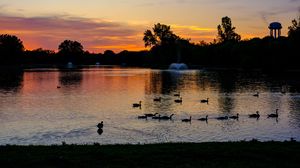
[{"x": 157, "y": 116}]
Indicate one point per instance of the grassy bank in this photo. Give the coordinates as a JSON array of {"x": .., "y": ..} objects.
[{"x": 230, "y": 154}]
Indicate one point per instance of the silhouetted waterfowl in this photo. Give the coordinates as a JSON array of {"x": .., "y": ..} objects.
[
  {"x": 203, "y": 119},
  {"x": 156, "y": 117},
  {"x": 223, "y": 118},
  {"x": 100, "y": 125},
  {"x": 150, "y": 115},
  {"x": 256, "y": 95},
  {"x": 187, "y": 120},
  {"x": 235, "y": 117},
  {"x": 178, "y": 100},
  {"x": 177, "y": 94},
  {"x": 100, "y": 131},
  {"x": 137, "y": 104},
  {"x": 58, "y": 87},
  {"x": 204, "y": 101},
  {"x": 157, "y": 99},
  {"x": 166, "y": 117},
  {"x": 142, "y": 117},
  {"x": 254, "y": 115},
  {"x": 274, "y": 115}
]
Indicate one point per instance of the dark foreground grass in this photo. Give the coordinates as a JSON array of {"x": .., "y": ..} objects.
[{"x": 228, "y": 154}]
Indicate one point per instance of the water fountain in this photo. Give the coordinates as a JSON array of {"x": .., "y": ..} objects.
[{"x": 178, "y": 65}]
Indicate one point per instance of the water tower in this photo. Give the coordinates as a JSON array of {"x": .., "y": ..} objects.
[{"x": 275, "y": 29}]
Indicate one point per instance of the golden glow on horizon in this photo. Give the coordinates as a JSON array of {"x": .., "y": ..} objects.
[{"x": 193, "y": 28}]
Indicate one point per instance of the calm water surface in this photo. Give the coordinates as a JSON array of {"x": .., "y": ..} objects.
[{"x": 34, "y": 111}]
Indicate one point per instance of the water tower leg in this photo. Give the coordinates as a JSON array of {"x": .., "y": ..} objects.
[{"x": 271, "y": 32}]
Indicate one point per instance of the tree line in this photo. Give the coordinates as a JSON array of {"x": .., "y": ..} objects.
[{"x": 228, "y": 50}]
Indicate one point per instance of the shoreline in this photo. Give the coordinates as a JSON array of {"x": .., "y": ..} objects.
[
  {"x": 209, "y": 154},
  {"x": 161, "y": 67}
]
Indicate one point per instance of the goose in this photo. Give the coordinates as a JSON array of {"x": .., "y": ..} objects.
[
  {"x": 187, "y": 120},
  {"x": 137, "y": 104},
  {"x": 222, "y": 118},
  {"x": 100, "y": 125},
  {"x": 100, "y": 131},
  {"x": 203, "y": 119},
  {"x": 256, "y": 95},
  {"x": 150, "y": 115},
  {"x": 273, "y": 115},
  {"x": 157, "y": 99},
  {"x": 254, "y": 115},
  {"x": 204, "y": 101},
  {"x": 235, "y": 117},
  {"x": 156, "y": 117},
  {"x": 178, "y": 100},
  {"x": 177, "y": 94},
  {"x": 142, "y": 117},
  {"x": 166, "y": 117}
]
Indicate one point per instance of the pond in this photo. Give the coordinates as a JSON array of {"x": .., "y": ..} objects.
[{"x": 49, "y": 106}]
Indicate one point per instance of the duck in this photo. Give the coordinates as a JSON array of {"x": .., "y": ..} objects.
[
  {"x": 150, "y": 115},
  {"x": 273, "y": 115},
  {"x": 222, "y": 118},
  {"x": 203, "y": 119},
  {"x": 142, "y": 117},
  {"x": 204, "y": 100},
  {"x": 167, "y": 117},
  {"x": 178, "y": 100},
  {"x": 187, "y": 120},
  {"x": 256, "y": 95},
  {"x": 235, "y": 117},
  {"x": 100, "y": 125},
  {"x": 157, "y": 99},
  {"x": 177, "y": 94},
  {"x": 254, "y": 115},
  {"x": 137, "y": 104}
]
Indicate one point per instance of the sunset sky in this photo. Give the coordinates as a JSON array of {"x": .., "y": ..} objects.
[{"x": 119, "y": 24}]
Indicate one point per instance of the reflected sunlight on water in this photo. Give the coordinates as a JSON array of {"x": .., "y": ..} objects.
[{"x": 34, "y": 111}]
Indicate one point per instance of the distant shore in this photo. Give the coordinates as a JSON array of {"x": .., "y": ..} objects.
[
  {"x": 161, "y": 67},
  {"x": 213, "y": 154}
]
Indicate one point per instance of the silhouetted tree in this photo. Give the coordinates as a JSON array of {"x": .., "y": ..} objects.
[
  {"x": 166, "y": 46},
  {"x": 11, "y": 49},
  {"x": 109, "y": 53},
  {"x": 40, "y": 56},
  {"x": 294, "y": 30},
  {"x": 226, "y": 32},
  {"x": 160, "y": 35},
  {"x": 71, "y": 50}
]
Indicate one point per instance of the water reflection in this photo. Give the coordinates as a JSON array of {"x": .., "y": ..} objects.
[
  {"x": 11, "y": 80},
  {"x": 164, "y": 82},
  {"x": 226, "y": 104},
  {"x": 100, "y": 131},
  {"x": 295, "y": 111},
  {"x": 38, "y": 110},
  {"x": 70, "y": 78}
]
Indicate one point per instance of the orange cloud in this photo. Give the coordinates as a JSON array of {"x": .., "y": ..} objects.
[{"x": 49, "y": 32}]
